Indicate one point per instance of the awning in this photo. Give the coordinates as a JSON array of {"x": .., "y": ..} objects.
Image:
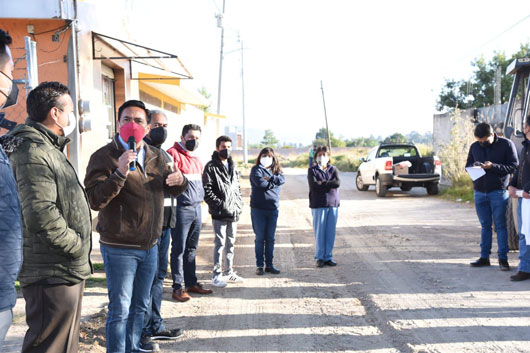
[
  {"x": 179, "y": 94},
  {"x": 152, "y": 60}
]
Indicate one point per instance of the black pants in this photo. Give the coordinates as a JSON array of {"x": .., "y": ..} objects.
[{"x": 52, "y": 314}]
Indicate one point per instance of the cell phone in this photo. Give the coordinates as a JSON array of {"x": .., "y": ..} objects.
[{"x": 477, "y": 164}]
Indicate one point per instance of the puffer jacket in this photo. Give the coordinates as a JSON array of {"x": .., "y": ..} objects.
[
  {"x": 10, "y": 228},
  {"x": 191, "y": 168},
  {"x": 56, "y": 215},
  {"x": 131, "y": 209},
  {"x": 222, "y": 192}
]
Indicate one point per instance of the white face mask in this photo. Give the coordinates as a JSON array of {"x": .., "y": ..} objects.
[
  {"x": 68, "y": 129},
  {"x": 265, "y": 162},
  {"x": 323, "y": 161}
]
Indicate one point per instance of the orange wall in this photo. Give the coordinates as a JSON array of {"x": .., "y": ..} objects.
[{"x": 51, "y": 56}]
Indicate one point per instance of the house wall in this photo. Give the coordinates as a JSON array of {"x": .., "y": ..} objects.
[{"x": 51, "y": 56}]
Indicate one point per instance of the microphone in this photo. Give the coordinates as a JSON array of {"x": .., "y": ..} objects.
[{"x": 132, "y": 146}]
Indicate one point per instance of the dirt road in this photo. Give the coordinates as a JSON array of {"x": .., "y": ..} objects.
[{"x": 403, "y": 284}]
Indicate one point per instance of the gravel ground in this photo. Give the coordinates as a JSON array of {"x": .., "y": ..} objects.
[{"x": 403, "y": 284}]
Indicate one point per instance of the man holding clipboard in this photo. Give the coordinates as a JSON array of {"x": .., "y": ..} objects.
[{"x": 497, "y": 158}]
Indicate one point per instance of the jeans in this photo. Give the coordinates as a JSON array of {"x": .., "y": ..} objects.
[
  {"x": 185, "y": 240},
  {"x": 524, "y": 250},
  {"x": 488, "y": 205},
  {"x": 6, "y": 317},
  {"x": 130, "y": 275},
  {"x": 324, "y": 225},
  {"x": 223, "y": 250},
  {"x": 264, "y": 226},
  {"x": 310, "y": 162},
  {"x": 153, "y": 319}
]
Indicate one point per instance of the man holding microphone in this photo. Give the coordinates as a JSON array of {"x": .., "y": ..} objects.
[{"x": 127, "y": 188}]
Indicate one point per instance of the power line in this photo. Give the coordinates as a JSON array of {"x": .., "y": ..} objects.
[{"x": 503, "y": 32}]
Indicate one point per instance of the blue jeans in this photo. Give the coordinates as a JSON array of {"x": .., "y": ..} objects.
[
  {"x": 185, "y": 240},
  {"x": 153, "y": 319},
  {"x": 264, "y": 225},
  {"x": 130, "y": 275},
  {"x": 492, "y": 205},
  {"x": 325, "y": 226},
  {"x": 524, "y": 250}
]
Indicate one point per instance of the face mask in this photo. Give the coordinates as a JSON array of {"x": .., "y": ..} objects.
[
  {"x": 265, "y": 162},
  {"x": 132, "y": 129},
  {"x": 158, "y": 135},
  {"x": 192, "y": 145},
  {"x": 224, "y": 153},
  {"x": 68, "y": 129},
  {"x": 322, "y": 161},
  {"x": 11, "y": 98}
]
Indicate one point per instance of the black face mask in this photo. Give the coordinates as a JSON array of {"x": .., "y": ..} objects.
[
  {"x": 224, "y": 153},
  {"x": 11, "y": 98},
  {"x": 192, "y": 145},
  {"x": 158, "y": 136},
  {"x": 485, "y": 144}
]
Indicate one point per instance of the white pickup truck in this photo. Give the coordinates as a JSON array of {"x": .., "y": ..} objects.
[{"x": 399, "y": 165}]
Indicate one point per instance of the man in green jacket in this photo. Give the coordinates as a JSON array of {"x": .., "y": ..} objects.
[{"x": 57, "y": 222}]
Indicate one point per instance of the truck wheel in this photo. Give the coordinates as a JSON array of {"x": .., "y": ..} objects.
[
  {"x": 432, "y": 189},
  {"x": 380, "y": 189},
  {"x": 511, "y": 224},
  {"x": 359, "y": 183}
]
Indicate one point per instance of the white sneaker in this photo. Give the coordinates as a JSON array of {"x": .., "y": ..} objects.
[
  {"x": 234, "y": 277},
  {"x": 217, "y": 282}
]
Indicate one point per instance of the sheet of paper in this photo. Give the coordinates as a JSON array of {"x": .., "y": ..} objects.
[
  {"x": 475, "y": 172},
  {"x": 519, "y": 193}
]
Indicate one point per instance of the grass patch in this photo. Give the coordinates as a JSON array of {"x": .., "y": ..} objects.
[
  {"x": 96, "y": 282},
  {"x": 98, "y": 266},
  {"x": 461, "y": 190}
]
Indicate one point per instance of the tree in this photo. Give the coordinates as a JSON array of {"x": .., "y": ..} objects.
[
  {"x": 269, "y": 140},
  {"x": 480, "y": 86},
  {"x": 321, "y": 139},
  {"x": 395, "y": 138},
  {"x": 206, "y": 95}
]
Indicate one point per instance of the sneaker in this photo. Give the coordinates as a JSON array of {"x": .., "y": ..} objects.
[
  {"x": 481, "y": 262},
  {"x": 503, "y": 265},
  {"x": 217, "y": 282},
  {"x": 167, "y": 334},
  {"x": 146, "y": 345},
  {"x": 197, "y": 288},
  {"x": 234, "y": 277},
  {"x": 259, "y": 271}
]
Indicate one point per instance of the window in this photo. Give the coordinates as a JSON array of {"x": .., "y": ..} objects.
[{"x": 107, "y": 80}]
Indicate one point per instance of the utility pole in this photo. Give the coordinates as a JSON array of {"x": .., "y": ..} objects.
[
  {"x": 220, "y": 24},
  {"x": 245, "y": 147},
  {"x": 325, "y": 115}
]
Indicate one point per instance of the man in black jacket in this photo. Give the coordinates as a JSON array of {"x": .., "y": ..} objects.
[
  {"x": 223, "y": 196},
  {"x": 153, "y": 324},
  {"x": 497, "y": 156}
]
